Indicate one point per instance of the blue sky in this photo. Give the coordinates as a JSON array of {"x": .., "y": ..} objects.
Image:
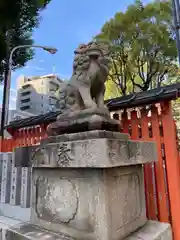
[{"x": 64, "y": 25}]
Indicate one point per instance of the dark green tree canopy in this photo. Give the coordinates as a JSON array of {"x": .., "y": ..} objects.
[
  {"x": 143, "y": 45},
  {"x": 17, "y": 20}
]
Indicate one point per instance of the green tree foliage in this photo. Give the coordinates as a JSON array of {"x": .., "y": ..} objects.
[
  {"x": 143, "y": 46},
  {"x": 17, "y": 20}
]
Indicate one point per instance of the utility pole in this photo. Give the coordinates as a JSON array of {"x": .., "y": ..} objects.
[
  {"x": 6, "y": 89},
  {"x": 7, "y": 78}
]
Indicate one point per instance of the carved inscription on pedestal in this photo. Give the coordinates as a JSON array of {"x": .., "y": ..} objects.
[
  {"x": 55, "y": 155},
  {"x": 56, "y": 200},
  {"x": 64, "y": 154}
]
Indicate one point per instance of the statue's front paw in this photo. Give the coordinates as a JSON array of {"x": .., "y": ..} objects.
[
  {"x": 105, "y": 110},
  {"x": 90, "y": 105}
]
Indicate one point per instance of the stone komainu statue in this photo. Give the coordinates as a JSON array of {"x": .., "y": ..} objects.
[
  {"x": 81, "y": 100},
  {"x": 87, "y": 85}
]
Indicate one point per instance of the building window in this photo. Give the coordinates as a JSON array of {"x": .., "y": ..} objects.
[
  {"x": 25, "y": 93},
  {"x": 52, "y": 89},
  {"x": 52, "y": 101},
  {"x": 26, "y": 86},
  {"x": 53, "y": 97},
  {"x": 54, "y": 84},
  {"x": 25, "y": 108},
  {"x": 25, "y": 100}
]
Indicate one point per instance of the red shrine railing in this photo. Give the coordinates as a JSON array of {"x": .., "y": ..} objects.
[{"x": 162, "y": 178}]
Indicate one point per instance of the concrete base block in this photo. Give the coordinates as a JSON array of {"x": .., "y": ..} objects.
[
  {"x": 83, "y": 202},
  {"x": 5, "y": 224},
  {"x": 86, "y": 186},
  {"x": 28, "y": 231},
  {"x": 152, "y": 230}
]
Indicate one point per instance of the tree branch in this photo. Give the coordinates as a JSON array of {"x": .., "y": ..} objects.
[{"x": 139, "y": 69}]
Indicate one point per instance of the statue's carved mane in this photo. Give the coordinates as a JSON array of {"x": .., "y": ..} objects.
[
  {"x": 84, "y": 92},
  {"x": 90, "y": 70}
]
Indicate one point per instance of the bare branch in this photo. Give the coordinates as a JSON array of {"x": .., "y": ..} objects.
[{"x": 139, "y": 69}]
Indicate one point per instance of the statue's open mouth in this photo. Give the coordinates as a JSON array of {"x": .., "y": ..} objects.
[
  {"x": 94, "y": 53},
  {"x": 98, "y": 55}
]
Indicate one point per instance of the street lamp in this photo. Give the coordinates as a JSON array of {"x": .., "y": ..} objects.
[
  {"x": 7, "y": 82},
  {"x": 50, "y": 50}
]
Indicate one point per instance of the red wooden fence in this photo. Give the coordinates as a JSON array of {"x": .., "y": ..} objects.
[{"x": 162, "y": 178}]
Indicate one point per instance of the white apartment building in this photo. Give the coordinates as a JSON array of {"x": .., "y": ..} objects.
[{"x": 36, "y": 95}]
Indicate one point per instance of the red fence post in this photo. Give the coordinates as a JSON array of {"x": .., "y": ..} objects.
[
  {"x": 148, "y": 172},
  {"x": 173, "y": 168},
  {"x": 134, "y": 125},
  {"x": 44, "y": 132},
  {"x": 163, "y": 214},
  {"x": 125, "y": 122}
]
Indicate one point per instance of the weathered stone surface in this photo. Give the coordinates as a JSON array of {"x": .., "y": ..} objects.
[
  {"x": 95, "y": 202},
  {"x": 6, "y": 177},
  {"x": 12, "y": 230},
  {"x": 153, "y": 231},
  {"x": 28, "y": 231},
  {"x": 99, "y": 152},
  {"x": 25, "y": 187},
  {"x": 84, "y": 121},
  {"x": 5, "y": 224},
  {"x": 96, "y": 134},
  {"x": 85, "y": 92},
  {"x": 93, "y": 153},
  {"x": 23, "y": 154},
  {"x": 15, "y": 183},
  {"x": 89, "y": 185}
]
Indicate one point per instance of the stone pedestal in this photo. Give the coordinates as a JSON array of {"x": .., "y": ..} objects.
[{"x": 86, "y": 186}]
